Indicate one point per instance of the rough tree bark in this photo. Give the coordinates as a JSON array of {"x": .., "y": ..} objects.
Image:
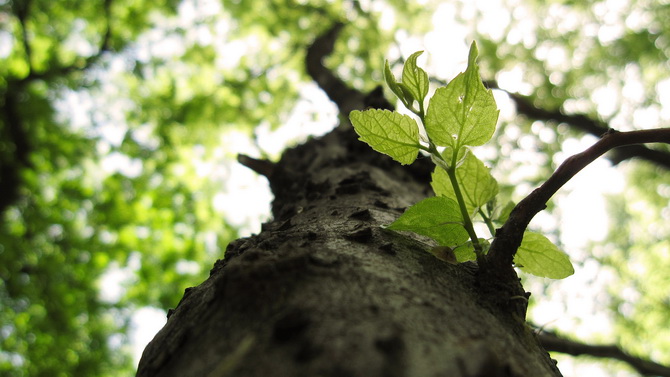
[{"x": 325, "y": 290}]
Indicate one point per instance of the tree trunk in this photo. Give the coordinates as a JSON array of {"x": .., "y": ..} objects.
[{"x": 325, "y": 290}]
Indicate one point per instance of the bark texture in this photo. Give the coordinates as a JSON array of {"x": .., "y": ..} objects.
[{"x": 324, "y": 290}]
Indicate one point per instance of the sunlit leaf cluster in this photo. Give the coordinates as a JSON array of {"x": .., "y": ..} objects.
[{"x": 460, "y": 115}]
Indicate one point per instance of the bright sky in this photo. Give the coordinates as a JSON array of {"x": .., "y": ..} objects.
[{"x": 570, "y": 307}]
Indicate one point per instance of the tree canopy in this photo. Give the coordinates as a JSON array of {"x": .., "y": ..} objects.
[{"x": 120, "y": 122}]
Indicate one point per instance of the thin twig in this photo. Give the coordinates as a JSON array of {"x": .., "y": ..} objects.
[
  {"x": 346, "y": 98},
  {"x": 263, "y": 167},
  {"x": 525, "y": 106},
  {"x": 553, "y": 342},
  {"x": 508, "y": 238}
]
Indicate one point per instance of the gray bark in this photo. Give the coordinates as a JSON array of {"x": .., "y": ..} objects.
[{"x": 325, "y": 290}]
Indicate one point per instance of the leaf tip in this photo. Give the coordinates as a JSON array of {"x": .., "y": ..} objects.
[{"x": 474, "y": 52}]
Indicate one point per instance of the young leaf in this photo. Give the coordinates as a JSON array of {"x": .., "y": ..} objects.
[
  {"x": 388, "y": 132},
  {"x": 466, "y": 252},
  {"x": 414, "y": 78},
  {"x": 407, "y": 96},
  {"x": 444, "y": 253},
  {"x": 501, "y": 214},
  {"x": 475, "y": 181},
  {"x": 464, "y": 112},
  {"x": 540, "y": 257},
  {"x": 390, "y": 81},
  {"x": 438, "y": 218}
]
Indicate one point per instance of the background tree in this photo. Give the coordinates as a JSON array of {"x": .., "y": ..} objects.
[{"x": 113, "y": 117}]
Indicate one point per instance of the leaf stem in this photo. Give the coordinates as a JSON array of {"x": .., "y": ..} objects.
[
  {"x": 451, "y": 172},
  {"x": 425, "y": 149},
  {"x": 489, "y": 223},
  {"x": 422, "y": 112},
  {"x": 467, "y": 223}
]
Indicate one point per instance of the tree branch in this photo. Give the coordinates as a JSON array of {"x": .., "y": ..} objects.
[
  {"x": 18, "y": 144},
  {"x": 552, "y": 342},
  {"x": 525, "y": 106},
  {"x": 508, "y": 237},
  {"x": 347, "y": 99},
  {"x": 263, "y": 167},
  {"x": 21, "y": 10}
]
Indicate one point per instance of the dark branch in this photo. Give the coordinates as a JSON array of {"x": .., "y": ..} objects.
[
  {"x": 104, "y": 45},
  {"x": 508, "y": 238},
  {"x": 17, "y": 139},
  {"x": 16, "y": 132},
  {"x": 525, "y": 106},
  {"x": 346, "y": 98},
  {"x": 553, "y": 342},
  {"x": 263, "y": 167},
  {"x": 21, "y": 9}
]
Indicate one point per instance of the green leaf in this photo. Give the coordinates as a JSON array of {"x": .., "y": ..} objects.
[
  {"x": 388, "y": 132},
  {"x": 415, "y": 79},
  {"x": 407, "y": 96},
  {"x": 438, "y": 218},
  {"x": 476, "y": 182},
  {"x": 540, "y": 257},
  {"x": 464, "y": 112},
  {"x": 444, "y": 253},
  {"x": 390, "y": 81},
  {"x": 466, "y": 251},
  {"x": 501, "y": 214}
]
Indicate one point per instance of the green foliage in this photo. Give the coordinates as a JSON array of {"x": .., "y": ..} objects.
[
  {"x": 414, "y": 79},
  {"x": 466, "y": 252},
  {"x": 637, "y": 249},
  {"x": 474, "y": 179},
  {"x": 437, "y": 218},
  {"x": 414, "y": 85},
  {"x": 539, "y": 256},
  {"x": 388, "y": 132},
  {"x": 462, "y": 114},
  {"x": 74, "y": 221}
]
